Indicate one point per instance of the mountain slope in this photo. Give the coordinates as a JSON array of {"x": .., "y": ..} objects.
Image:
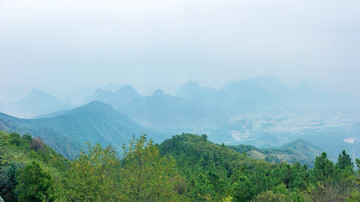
[
  {"x": 60, "y": 142},
  {"x": 95, "y": 122},
  {"x": 67, "y": 132},
  {"x": 295, "y": 151}
]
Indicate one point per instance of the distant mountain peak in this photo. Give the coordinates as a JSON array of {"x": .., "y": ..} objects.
[
  {"x": 299, "y": 143},
  {"x": 35, "y": 92},
  {"x": 158, "y": 92},
  {"x": 101, "y": 92},
  {"x": 192, "y": 84},
  {"x": 190, "y": 90},
  {"x": 97, "y": 104},
  {"x": 127, "y": 90}
]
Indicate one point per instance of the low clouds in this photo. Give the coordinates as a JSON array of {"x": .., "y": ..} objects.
[{"x": 152, "y": 44}]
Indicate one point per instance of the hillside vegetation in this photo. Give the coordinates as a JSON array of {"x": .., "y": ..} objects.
[
  {"x": 186, "y": 167},
  {"x": 297, "y": 151}
]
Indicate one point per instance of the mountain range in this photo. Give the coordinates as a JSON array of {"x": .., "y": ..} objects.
[
  {"x": 67, "y": 131},
  {"x": 262, "y": 111}
]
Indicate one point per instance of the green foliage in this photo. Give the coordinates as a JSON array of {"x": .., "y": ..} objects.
[
  {"x": 93, "y": 176},
  {"x": 186, "y": 167},
  {"x": 344, "y": 161},
  {"x": 35, "y": 184},
  {"x": 242, "y": 187},
  {"x": 8, "y": 181},
  {"x": 270, "y": 196},
  {"x": 206, "y": 167},
  {"x": 147, "y": 176},
  {"x": 354, "y": 197},
  {"x": 292, "y": 176},
  {"x": 324, "y": 170},
  {"x": 15, "y": 139},
  {"x": 15, "y": 152}
]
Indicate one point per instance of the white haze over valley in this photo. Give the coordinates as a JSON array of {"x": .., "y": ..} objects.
[
  {"x": 257, "y": 72},
  {"x": 71, "y": 47}
]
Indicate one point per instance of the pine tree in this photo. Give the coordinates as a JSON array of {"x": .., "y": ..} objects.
[
  {"x": 344, "y": 161},
  {"x": 324, "y": 169}
]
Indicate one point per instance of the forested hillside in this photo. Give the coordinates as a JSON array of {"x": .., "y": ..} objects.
[
  {"x": 186, "y": 167},
  {"x": 297, "y": 151},
  {"x": 68, "y": 131}
]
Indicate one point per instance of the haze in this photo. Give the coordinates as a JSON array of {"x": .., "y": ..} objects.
[{"x": 64, "y": 45}]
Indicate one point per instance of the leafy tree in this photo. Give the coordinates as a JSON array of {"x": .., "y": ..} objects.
[
  {"x": 94, "y": 175},
  {"x": 146, "y": 176},
  {"x": 35, "y": 184},
  {"x": 15, "y": 139},
  {"x": 27, "y": 138}
]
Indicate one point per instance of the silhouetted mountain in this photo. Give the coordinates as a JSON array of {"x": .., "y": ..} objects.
[
  {"x": 193, "y": 91},
  {"x": 160, "y": 110},
  {"x": 35, "y": 103},
  {"x": 247, "y": 95},
  {"x": 196, "y": 109},
  {"x": 95, "y": 122},
  {"x": 163, "y": 110},
  {"x": 121, "y": 97}
]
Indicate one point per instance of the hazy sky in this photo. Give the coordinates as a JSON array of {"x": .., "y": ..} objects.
[{"x": 59, "y": 45}]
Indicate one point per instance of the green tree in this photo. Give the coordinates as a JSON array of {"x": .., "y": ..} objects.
[
  {"x": 324, "y": 170},
  {"x": 35, "y": 184},
  {"x": 94, "y": 175},
  {"x": 241, "y": 187},
  {"x": 15, "y": 139},
  {"x": 146, "y": 176},
  {"x": 344, "y": 161},
  {"x": 8, "y": 181}
]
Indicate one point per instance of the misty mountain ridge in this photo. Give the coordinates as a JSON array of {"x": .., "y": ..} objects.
[
  {"x": 94, "y": 123},
  {"x": 35, "y": 103},
  {"x": 260, "y": 111},
  {"x": 249, "y": 94}
]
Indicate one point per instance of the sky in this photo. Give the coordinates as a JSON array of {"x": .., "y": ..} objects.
[{"x": 62, "y": 46}]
